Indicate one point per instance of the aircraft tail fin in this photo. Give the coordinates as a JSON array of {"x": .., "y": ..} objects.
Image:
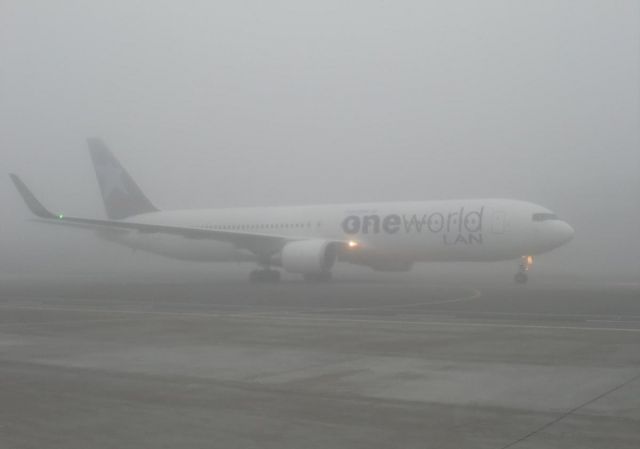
[{"x": 121, "y": 195}]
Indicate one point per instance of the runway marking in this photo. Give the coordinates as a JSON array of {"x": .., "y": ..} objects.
[
  {"x": 614, "y": 321},
  {"x": 271, "y": 316},
  {"x": 476, "y": 294},
  {"x": 571, "y": 412},
  {"x": 447, "y": 323},
  {"x": 265, "y": 308},
  {"x": 41, "y": 323}
]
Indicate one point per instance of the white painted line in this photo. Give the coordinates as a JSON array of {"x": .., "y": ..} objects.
[
  {"x": 65, "y": 322},
  {"x": 582, "y": 316},
  {"x": 475, "y": 294},
  {"x": 614, "y": 321},
  {"x": 312, "y": 319},
  {"x": 427, "y": 323}
]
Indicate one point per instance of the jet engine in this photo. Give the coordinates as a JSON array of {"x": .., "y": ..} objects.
[{"x": 308, "y": 256}]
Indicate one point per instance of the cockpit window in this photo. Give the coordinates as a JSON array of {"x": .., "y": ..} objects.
[{"x": 544, "y": 216}]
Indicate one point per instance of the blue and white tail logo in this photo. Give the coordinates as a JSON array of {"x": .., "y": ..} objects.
[{"x": 122, "y": 196}]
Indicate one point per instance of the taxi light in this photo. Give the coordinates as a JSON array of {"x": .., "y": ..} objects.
[{"x": 526, "y": 263}]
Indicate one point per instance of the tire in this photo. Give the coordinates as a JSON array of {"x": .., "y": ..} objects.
[
  {"x": 521, "y": 278},
  {"x": 254, "y": 276},
  {"x": 264, "y": 276},
  {"x": 273, "y": 276},
  {"x": 325, "y": 276}
]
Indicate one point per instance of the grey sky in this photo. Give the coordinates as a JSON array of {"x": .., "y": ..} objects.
[{"x": 284, "y": 102}]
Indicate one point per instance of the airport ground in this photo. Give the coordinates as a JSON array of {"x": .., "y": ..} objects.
[{"x": 351, "y": 364}]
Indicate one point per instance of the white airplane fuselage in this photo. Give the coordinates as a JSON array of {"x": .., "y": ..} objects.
[
  {"x": 309, "y": 240},
  {"x": 390, "y": 236}
]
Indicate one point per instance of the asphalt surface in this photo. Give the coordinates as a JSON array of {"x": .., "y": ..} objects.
[{"x": 344, "y": 365}]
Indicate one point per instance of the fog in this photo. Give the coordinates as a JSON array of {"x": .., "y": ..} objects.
[{"x": 223, "y": 104}]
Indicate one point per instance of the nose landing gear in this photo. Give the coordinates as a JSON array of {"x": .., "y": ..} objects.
[{"x": 526, "y": 262}]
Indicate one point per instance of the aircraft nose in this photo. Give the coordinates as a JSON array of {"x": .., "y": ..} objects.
[
  {"x": 564, "y": 232},
  {"x": 554, "y": 233}
]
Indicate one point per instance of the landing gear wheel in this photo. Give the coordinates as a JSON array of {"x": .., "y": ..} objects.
[
  {"x": 318, "y": 277},
  {"x": 274, "y": 276},
  {"x": 521, "y": 278},
  {"x": 264, "y": 276},
  {"x": 526, "y": 262},
  {"x": 254, "y": 276}
]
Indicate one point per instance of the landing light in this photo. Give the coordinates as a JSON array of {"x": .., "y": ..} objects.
[
  {"x": 527, "y": 263},
  {"x": 352, "y": 244}
]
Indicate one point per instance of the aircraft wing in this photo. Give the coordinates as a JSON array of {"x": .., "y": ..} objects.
[{"x": 262, "y": 244}]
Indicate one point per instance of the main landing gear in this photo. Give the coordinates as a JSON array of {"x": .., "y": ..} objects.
[
  {"x": 269, "y": 276},
  {"x": 325, "y": 276},
  {"x": 266, "y": 275},
  {"x": 526, "y": 262}
]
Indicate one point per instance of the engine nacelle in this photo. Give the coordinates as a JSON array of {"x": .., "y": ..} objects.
[{"x": 308, "y": 256}]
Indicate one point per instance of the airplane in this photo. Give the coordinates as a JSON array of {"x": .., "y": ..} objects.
[{"x": 309, "y": 240}]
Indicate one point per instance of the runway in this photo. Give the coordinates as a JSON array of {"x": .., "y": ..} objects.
[{"x": 344, "y": 365}]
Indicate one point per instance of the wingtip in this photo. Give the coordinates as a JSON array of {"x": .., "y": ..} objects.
[
  {"x": 29, "y": 198},
  {"x": 16, "y": 181}
]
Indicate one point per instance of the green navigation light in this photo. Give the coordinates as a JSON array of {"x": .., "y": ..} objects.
[{"x": 60, "y": 216}]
